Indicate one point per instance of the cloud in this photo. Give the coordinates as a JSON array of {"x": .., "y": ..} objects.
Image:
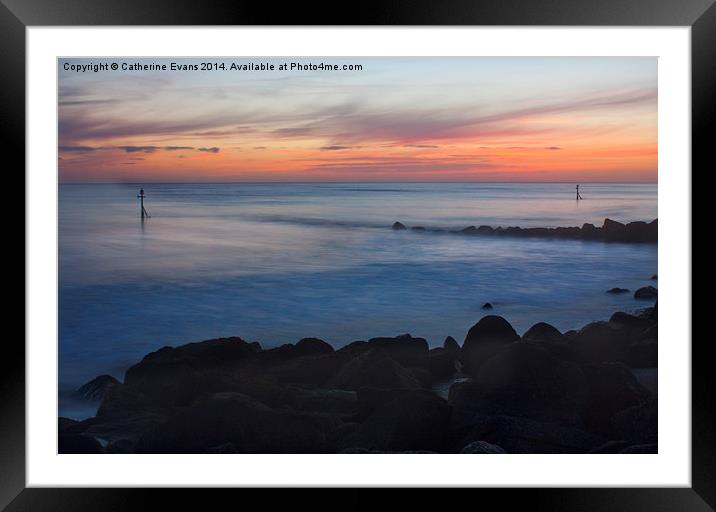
[
  {"x": 209, "y": 150},
  {"x": 553, "y": 148},
  {"x": 421, "y": 146},
  {"x": 334, "y": 148},
  {"x": 139, "y": 149},
  {"x": 76, "y": 149},
  {"x": 177, "y": 148}
]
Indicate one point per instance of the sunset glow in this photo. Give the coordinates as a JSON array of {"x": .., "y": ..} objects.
[{"x": 397, "y": 119}]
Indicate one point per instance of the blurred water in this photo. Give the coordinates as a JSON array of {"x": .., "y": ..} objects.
[{"x": 277, "y": 262}]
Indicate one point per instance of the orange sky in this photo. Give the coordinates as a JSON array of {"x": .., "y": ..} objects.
[{"x": 438, "y": 119}]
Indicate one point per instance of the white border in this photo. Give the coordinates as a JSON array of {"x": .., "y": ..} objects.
[{"x": 671, "y": 467}]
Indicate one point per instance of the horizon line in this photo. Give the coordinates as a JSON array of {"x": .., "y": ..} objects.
[{"x": 342, "y": 181}]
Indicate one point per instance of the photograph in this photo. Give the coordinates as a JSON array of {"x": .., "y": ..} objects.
[{"x": 357, "y": 255}]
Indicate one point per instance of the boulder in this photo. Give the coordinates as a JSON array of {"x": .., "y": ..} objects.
[
  {"x": 442, "y": 362},
  {"x": 333, "y": 401},
  {"x": 646, "y": 292},
  {"x": 248, "y": 425},
  {"x": 522, "y": 380},
  {"x": 543, "y": 332},
  {"x": 451, "y": 344},
  {"x": 398, "y": 225},
  {"x": 638, "y": 423},
  {"x": 484, "y": 339},
  {"x": 522, "y": 435},
  {"x": 487, "y": 305},
  {"x": 96, "y": 389},
  {"x": 311, "y": 346},
  {"x": 482, "y": 447},
  {"x": 376, "y": 369},
  {"x": 78, "y": 443},
  {"x": 404, "y": 349},
  {"x": 410, "y": 420},
  {"x": 643, "y": 354},
  {"x": 617, "y": 290},
  {"x": 600, "y": 341},
  {"x": 654, "y": 277},
  {"x": 612, "y": 388}
]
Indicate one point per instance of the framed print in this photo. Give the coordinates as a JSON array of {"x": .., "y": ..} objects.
[{"x": 271, "y": 248}]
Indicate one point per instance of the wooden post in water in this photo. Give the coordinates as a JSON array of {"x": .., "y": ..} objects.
[
  {"x": 578, "y": 196},
  {"x": 144, "y": 211}
]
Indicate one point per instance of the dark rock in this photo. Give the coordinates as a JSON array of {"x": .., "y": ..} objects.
[
  {"x": 398, "y": 225},
  {"x": 418, "y": 228},
  {"x": 638, "y": 423},
  {"x": 248, "y": 425},
  {"x": 333, "y": 401},
  {"x": 618, "y": 290},
  {"x": 373, "y": 369},
  {"x": 442, "y": 362},
  {"x": 522, "y": 380},
  {"x": 643, "y": 354},
  {"x": 96, "y": 389},
  {"x": 470, "y": 230},
  {"x": 654, "y": 277},
  {"x": 484, "y": 339},
  {"x": 600, "y": 341},
  {"x": 487, "y": 305},
  {"x": 65, "y": 423},
  {"x": 543, "y": 332},
  {"x": 121, "y": 446},
  {"x": 521, "y": 435},
  {"x": 404, "y": 349},
  {"x": 610, "y": 447},
  {"x": 308, "y": 346},
  {"x": 612, "y": 388},
  {"x": 414, "y": 420},
  {"x": 646, "y": 292},
  {"x": 78, "y": 443},
  {"x": 482, "y": 447},
  {"x": 641, "y": 448},
  {"x": 613, "y": 230},
  {"x": 450, "y": 344}
]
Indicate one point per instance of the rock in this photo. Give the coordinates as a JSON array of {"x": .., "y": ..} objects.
[
  {"x": 522, "y": 380},
  {"x": 405, "y": 349},
  {"x": 65, "y": 423},
  {"x": 442, "y": 362},
  {"x": 600, "y": 341},
  {"x": 470, "y": 230},
  {"x": 646, "y": 292},
  {"x": 96, "y": 389},
  {"x": 451, "y": 344},
  {"x": 482, "y": 447},
  {"x": 248, "y": 425},
  {"x": 374, "y": 369},
  {"x": 521, "y": 435},
  {"x": 610, "y": 447},
  {"x": 487, "y": 305},
  {"x": 411, "y": 420},
  {"x": 654, "y": 277},
  {"x": 641, "y": 448},
  {"x": 612, "y": 388},
  {"x": 121, "y": 446},
  {"x": 333, "y": 401},
  {"x": 633, "y": 324},
  {"x": 398, "y": 225},
  {"x": 618, "y": 290},
  {"x": 638, "y": 424},
  {"x": 78, "y": 443},
  {"x": 309, "y": 346},
  {"x": 643, "y": 354},
  {"x": 613, "y": 230},
  {"x": 543, "y": 332},
  {"x": 418, "y": 228},
  {"x": 484, "y": 339}
]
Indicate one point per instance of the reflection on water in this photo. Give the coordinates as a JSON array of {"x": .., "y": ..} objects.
[{"x": 278, "y": 262}]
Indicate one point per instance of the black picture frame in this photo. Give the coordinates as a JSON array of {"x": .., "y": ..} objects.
[{"x": 17, "y": 15}]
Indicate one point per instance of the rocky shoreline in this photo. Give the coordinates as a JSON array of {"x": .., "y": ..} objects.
[
  {"x": 542, "y": 392},
  {"x": 610, "y": 231}
]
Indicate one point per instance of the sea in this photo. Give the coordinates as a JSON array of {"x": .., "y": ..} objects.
[{"x": 277, "y": 262}]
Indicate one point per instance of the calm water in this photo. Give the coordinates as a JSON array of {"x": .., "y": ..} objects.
[{"x": 277, "y": 262}]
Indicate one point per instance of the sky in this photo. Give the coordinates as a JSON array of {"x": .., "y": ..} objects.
[{"x": 581, "y": 119}]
